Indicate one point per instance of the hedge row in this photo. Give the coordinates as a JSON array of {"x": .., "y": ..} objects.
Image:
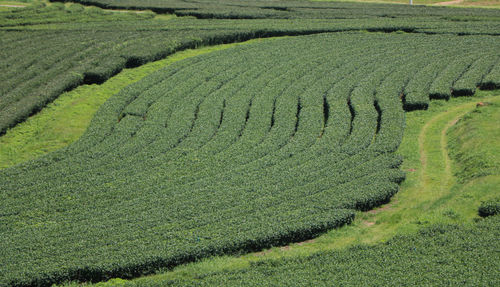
[
  {"x": 489, "y": 208},
  {"x": 440, "y": 255}
]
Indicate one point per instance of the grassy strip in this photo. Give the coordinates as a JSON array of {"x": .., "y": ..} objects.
[
  {"x": 477, "y": 157},
  {"x": 431, "y": 194},
  {"x": 65, "y": 120},
  {"x": 471, "y": 143}
]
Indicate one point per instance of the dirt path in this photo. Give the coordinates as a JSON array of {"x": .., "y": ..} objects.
[
  {"x": 446, "y": 3},
  {"x": 124, "y": 11},
  {"x": 13, "y": 6}
]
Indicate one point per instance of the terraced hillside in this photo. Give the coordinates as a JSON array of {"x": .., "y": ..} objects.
[
  {"x": 451, "y": 245},
  {"x": 231, "y": 151},
  {"x": 49, "y": 50}
]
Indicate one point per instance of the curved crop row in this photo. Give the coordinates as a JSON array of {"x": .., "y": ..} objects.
[
  {"x": 232, "y": 151},
  {"x": 47, "y": 51},
  {"x": 438, "y": 255}
]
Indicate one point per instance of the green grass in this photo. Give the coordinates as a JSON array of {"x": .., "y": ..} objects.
[
  {"x": 471, "y": 143},
  {"x": 431, "y": 193},
  {"x": 475, "y": 150},
  {"x": 64, "y": 120}
]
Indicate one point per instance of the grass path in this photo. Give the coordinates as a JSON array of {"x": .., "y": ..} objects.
[{"x": 435, "y": 176}]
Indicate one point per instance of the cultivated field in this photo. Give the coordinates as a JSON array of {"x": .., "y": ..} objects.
[{"x": 226, "y": 150}]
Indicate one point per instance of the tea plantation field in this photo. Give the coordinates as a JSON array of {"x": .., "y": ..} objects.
[
  {"x": 228, "y": 152},
  {"x": 50, "y": 50}
]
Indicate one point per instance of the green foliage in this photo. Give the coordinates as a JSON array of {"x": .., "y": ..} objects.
[
  {"x": 472, "y": 142},
  {"x": 224, "y": 153},
  {"x": 439, "y": 255},
  {"x": 72, "y": 45},
  {"x": 491, "y": 80},
  {"x": 418, "y": 204},
  {"x": 473, "y": 147},
  {"x": 50, "y": 130},
  {"x": 212, "y": 155},
  {"x": 489, "y": 208}
]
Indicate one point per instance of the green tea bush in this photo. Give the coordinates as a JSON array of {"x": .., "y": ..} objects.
[
  {"x": 439, "y": 255},
  {"x": 489, "y": 208}
]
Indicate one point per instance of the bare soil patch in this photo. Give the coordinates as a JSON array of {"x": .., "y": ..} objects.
[
  {"x": 262, "y": 253},
  {"x": 384, "y": 208},
  {"x": 307, "y": 241},
  {"x": 13, "y": 6},
  {"x": 446, "y": 3}
]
